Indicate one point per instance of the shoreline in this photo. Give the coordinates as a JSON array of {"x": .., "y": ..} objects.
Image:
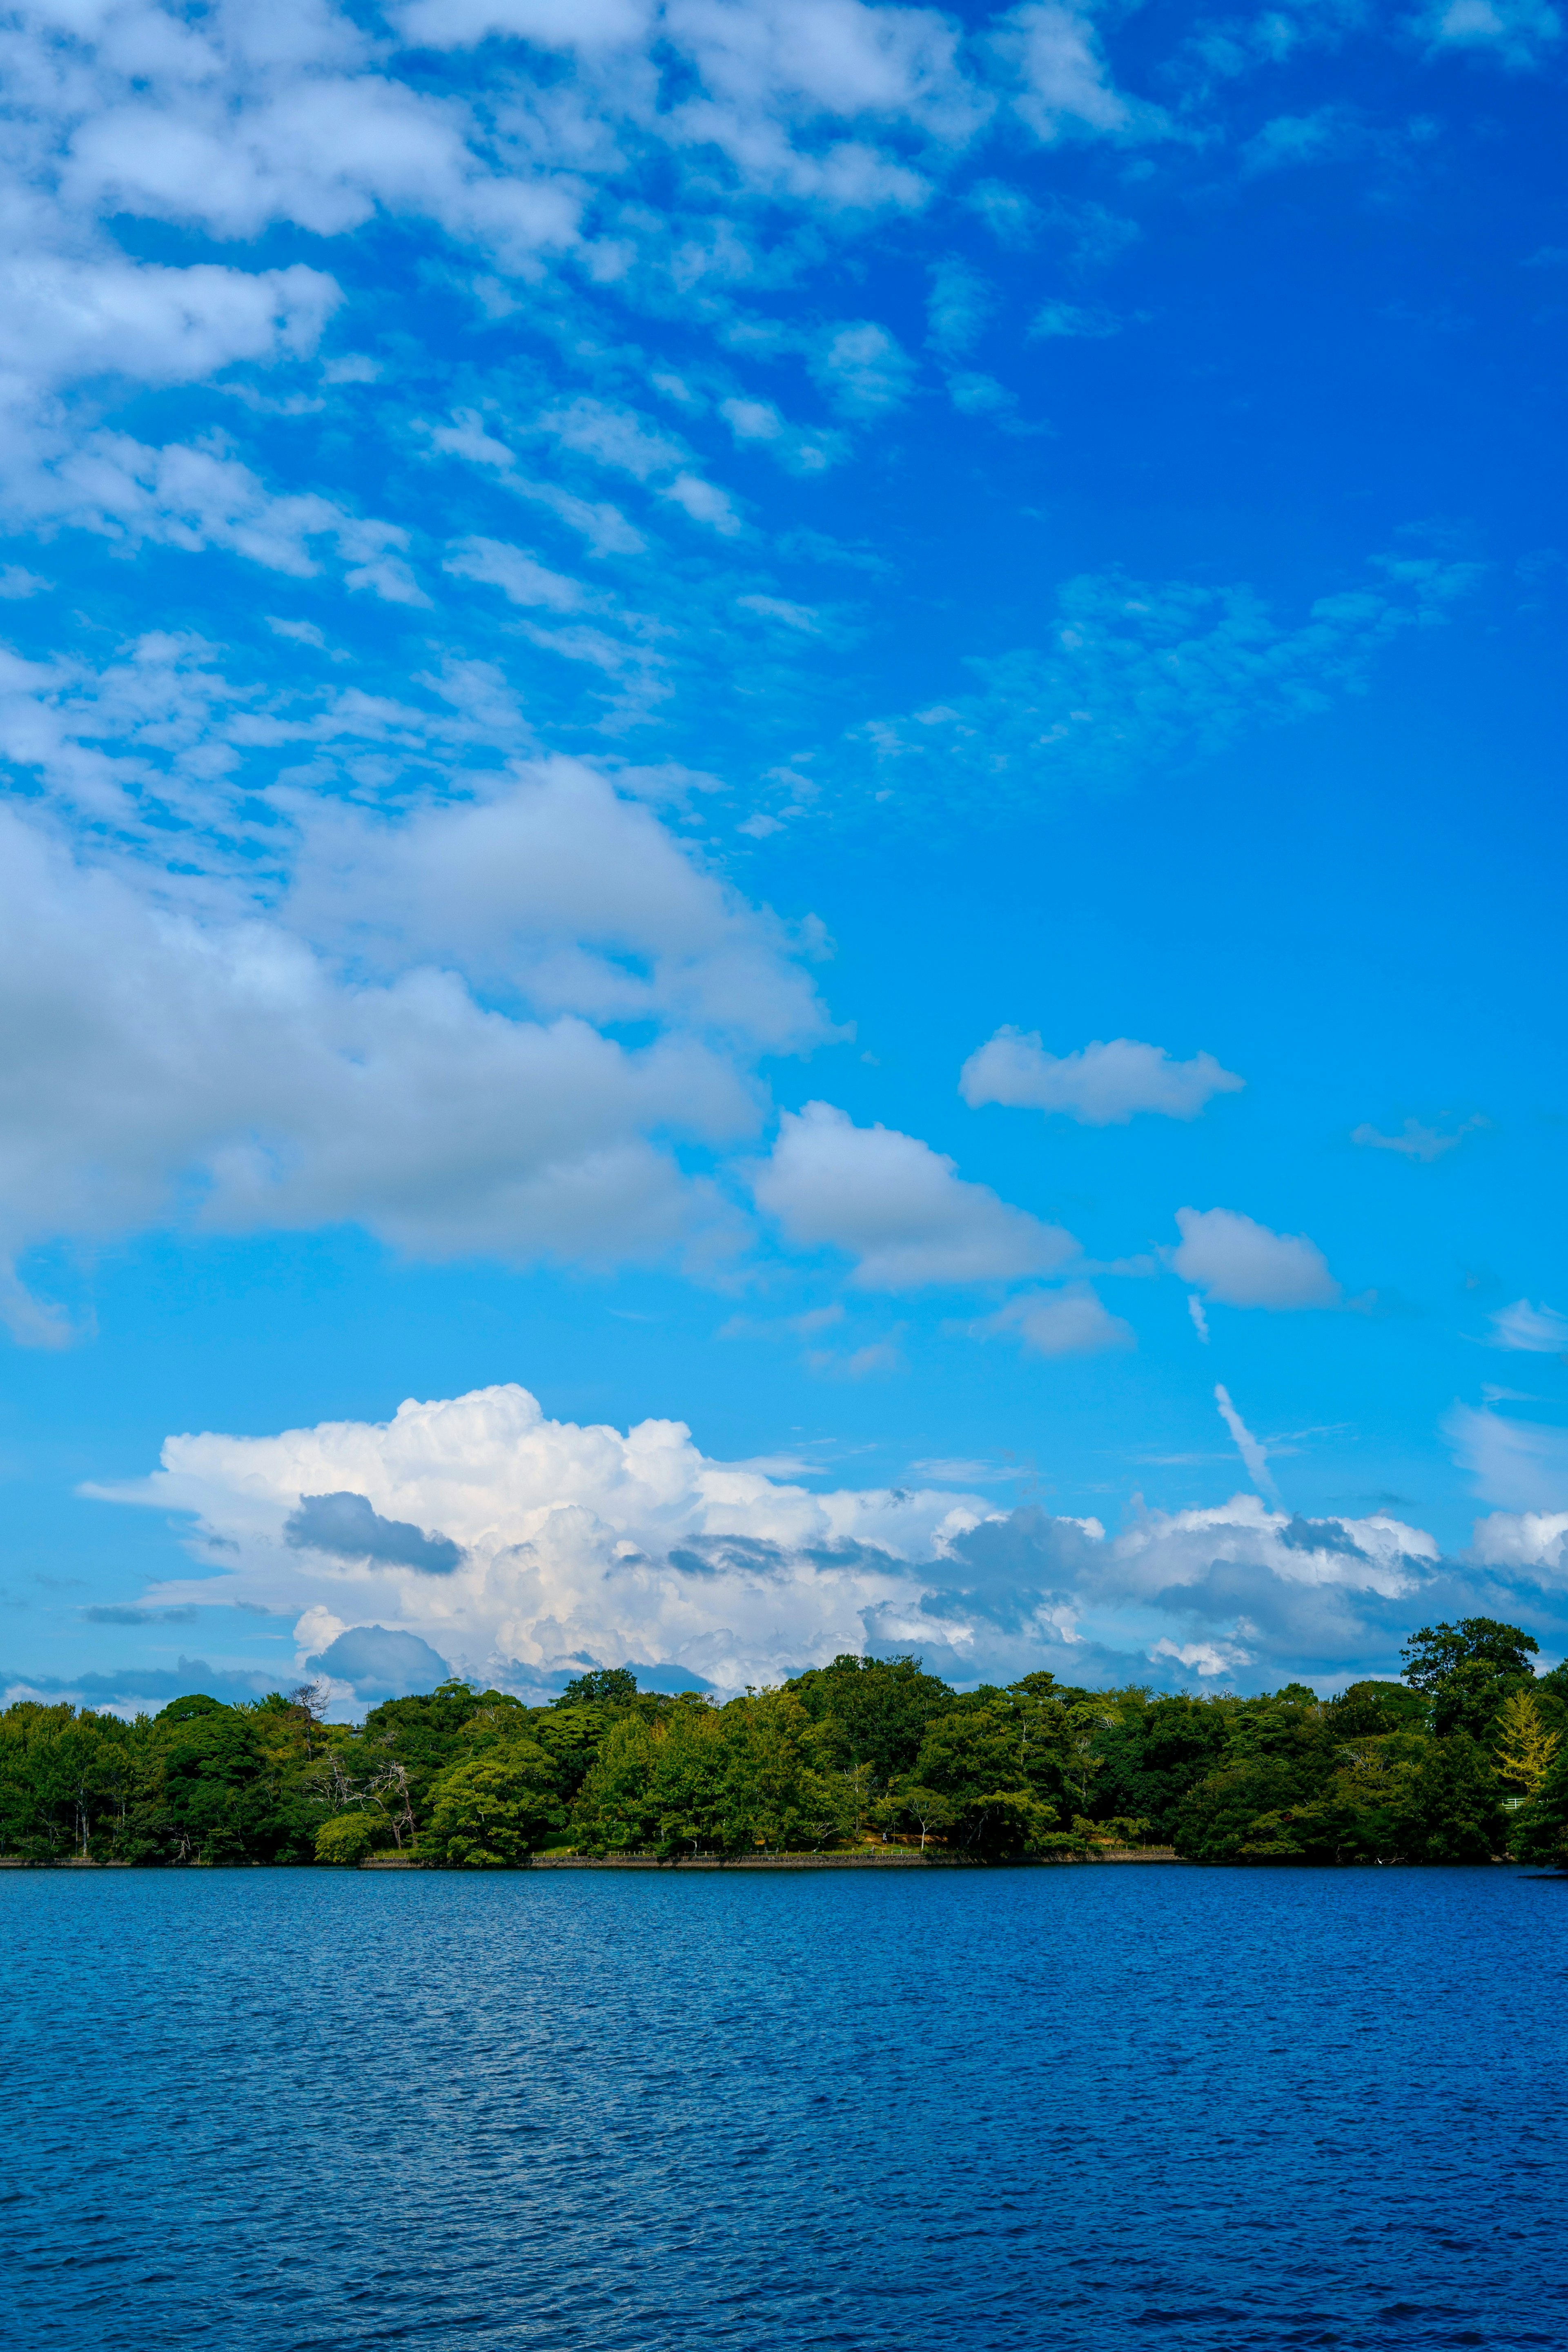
[{"x": 892, "y": 1858}]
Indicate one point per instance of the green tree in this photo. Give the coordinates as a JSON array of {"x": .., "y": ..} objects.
[
  {"x": 1456, "y": 1810},
  {"x": 615, "y": 1810},
  {"x": 1466, "y": 1671},
  {"x": 1540, "y": 1830},
  {"x": 609, "y": 1685},
  {"x": 1524, "y": 1746},
  {"x": 1155, "y": 1754},
  {"x": 989, "y": 1772},
  {"x": 350, "y": 1837},
  {"x": 489, "y": 1814},
  {"x": 872, "y": 1711},
  {"x": 928, "y": 1809}
]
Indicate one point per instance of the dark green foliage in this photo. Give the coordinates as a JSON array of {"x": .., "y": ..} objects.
[
  {"x": 617, "y": 1685},
  {"x": 1155, "y": 1755},
  {"x": 876, "y": 1709},
  {"x": 1540, "y": 1829},
  {"x": 862, "y": 1749},
  {"x": 1367, "y": 1709},
  {"x": 1466, "y": 1671}
]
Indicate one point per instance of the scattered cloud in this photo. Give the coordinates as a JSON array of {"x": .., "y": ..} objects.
[
  {"x": 1414, "y": 1141},
  {"x": 1532, "y": 1330},
  {"x": 1072, "y": 1321},
  {"x": 1100, "y": 1086},
  {"x": 1521, "y": 1466},
  {"x": 1238, "y": 1262},
  {"x": 900, "y": 1209},
  {"x": 1072, "y": 323},
  {"x": 1131, "y": 674}
]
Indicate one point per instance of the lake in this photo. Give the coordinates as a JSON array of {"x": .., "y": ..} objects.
[{"x": 1087, "y": 2108}]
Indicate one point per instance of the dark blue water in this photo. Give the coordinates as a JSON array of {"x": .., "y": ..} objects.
[{"x": 1073, "y": 2108}]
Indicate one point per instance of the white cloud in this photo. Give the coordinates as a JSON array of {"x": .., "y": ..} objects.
[
  {"x": 578, "y": 1542},
  {"x": 582, "y": 1544},
  {"x": 863, "y": 370},
  {"x": 1523, "y": 1541},
  {"x": 1073, "y": 1321},
  {"x": 583, "y": 25},
  {"x": 1062, "y": 83},
  {"x": 1070, "y": 321},
  {"x": 1515, "y": 31},
  {"x": 1101, "y": 1086},
  {"x": 1207, "y": 1659},
  {"x": 62, "y": 319},
  {"x": 898, "y": 1208},
  {"x": 557, "y": 885},
  {"x": 519, "y": 576},
  {"x": 1233, "y": 1260},
  {"x": 162, "y": 1060},
  {"x": 1520, "y": 1465},
  {"x": 325, "y": 1050},
  {"x": 1532, "y": 1330},
  {"x": 704, "y": 502},
  {"x": 612, "y": 437}
]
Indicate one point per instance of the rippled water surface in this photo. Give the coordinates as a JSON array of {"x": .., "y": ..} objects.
[{"x": 1075, "y": 2108}]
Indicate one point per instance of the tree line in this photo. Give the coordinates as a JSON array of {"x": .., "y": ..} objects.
[{"x": 1462, "y": 1759}]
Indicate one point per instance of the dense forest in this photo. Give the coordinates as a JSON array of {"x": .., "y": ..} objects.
[{"x": 1462, "y": 1761}]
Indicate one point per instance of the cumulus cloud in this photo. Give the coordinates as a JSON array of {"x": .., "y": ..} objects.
[
  {"x": 377, "y": 1663},
  {"x": 590, "y": 1545},
  {"x": 1100, "y": 1086},
  {"x": 900, "y": 1209},
  {"x": 578, "y": 1543},
  {"x": 1073, "y": 1321},
  {"x": 1533, "y": 1543},
  {"x": 346, "y": 1525},
  {"x": 1239, "y": 1263},
  {"x": 194, "y": 1053}
]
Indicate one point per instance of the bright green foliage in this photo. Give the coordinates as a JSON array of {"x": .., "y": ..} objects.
[
  {"x": 1524, "y": 1747},
  {"x": 350, "y": 1837},
  {"x": 493, "y": 1811},
  {"x": 717, "y": 1781}
]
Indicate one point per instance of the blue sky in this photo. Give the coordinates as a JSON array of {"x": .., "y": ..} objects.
[{"x": 839, "y": 724}]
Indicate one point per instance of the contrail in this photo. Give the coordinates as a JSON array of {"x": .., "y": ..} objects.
[{"x": 1247, "y": 1445}]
